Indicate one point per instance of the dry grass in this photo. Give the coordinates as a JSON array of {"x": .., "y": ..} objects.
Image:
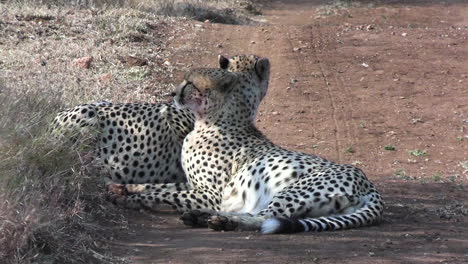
[
  {"x": 220, "y": 11},
  {"x": 48, "y": 201},
  {"x": 217, "y": 11}
]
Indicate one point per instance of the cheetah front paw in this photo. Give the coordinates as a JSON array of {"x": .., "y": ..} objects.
[
  {"x": 221, "y": 223},
  {"x": 196, "y": 218},
  {"x": 124, "y": 201}
]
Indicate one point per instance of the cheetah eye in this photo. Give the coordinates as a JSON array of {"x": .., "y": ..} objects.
[{"x": 187, "y": 83}]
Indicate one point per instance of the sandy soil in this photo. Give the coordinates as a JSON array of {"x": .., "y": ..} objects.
[{"x": 346, "y": 82}]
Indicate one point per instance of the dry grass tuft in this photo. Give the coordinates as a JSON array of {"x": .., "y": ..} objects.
[{"x": 225, "y": 12}]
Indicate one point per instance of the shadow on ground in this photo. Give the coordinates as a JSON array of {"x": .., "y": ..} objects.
[{"x": 423, "y": 224}]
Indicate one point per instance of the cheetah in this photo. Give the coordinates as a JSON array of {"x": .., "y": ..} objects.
[
  {"x": 138, "y": 143},
  {"x": 240, "y": 180}
]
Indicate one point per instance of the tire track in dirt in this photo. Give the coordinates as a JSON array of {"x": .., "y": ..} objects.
[
  {"x": 327, "y": 83},
  {"x": 303, "y": 64},
  {"x": 318, "y": 56},
  {"x": 337, "y": 90}
]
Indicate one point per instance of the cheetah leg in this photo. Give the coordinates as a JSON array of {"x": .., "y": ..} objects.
[
  {"x": 181, "y": 201},
  {"x": 126, "y": 189}
]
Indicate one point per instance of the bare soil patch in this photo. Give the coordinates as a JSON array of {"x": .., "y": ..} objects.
[{"x": 382, "y": 86}]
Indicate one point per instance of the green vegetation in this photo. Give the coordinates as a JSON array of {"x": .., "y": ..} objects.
[
  {"x": 402, "y": 175},
  {"x": 390, "y": 147},
  {"x": 350, "y": 150},
  {"x": 417, "y": 152},
  {"x": 437, "y": 176},
  {"x": 399, "y": 173}
]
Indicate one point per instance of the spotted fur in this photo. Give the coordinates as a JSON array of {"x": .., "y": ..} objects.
[{"x": 136, "y": 142}]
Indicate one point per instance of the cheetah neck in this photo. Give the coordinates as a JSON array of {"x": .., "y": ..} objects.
[
  {"x": 226, "y": 121},
  {"x": 228, "y": 115}
]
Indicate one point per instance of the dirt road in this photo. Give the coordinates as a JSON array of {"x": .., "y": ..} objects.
[{"x": 384, "y": 87}]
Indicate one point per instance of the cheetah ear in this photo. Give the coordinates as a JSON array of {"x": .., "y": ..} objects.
[
  {"x": 223, "y": 62},
  {"x": 262, "y": 68}
]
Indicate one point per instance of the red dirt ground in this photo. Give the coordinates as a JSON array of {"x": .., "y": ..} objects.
[{"x": 344, "y": 86}]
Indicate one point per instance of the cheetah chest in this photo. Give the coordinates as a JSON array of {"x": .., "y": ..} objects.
[{"x": 204, "y": 161}]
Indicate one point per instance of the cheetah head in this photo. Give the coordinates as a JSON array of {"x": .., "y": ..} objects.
[
  {"x": 257, "y": 66},
  {"x": 243, "y": 78},
  {"x": 216, "y": 92},
  {"x": 204, "y": 90}
]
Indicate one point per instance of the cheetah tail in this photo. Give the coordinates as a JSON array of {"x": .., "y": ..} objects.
[{"x": 370, "y": 213}]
